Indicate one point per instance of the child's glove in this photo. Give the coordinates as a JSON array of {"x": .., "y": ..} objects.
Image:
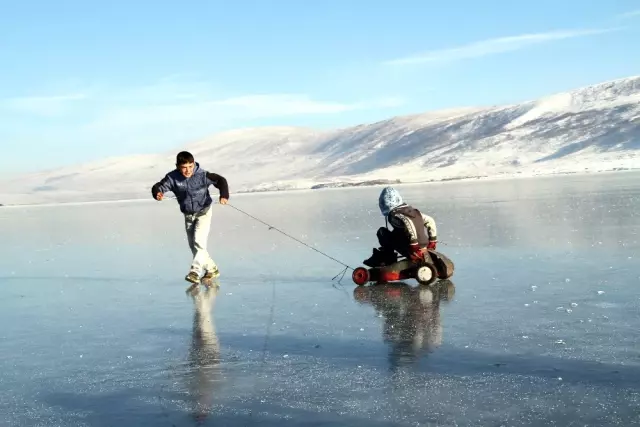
[
  {"x": 432, "y": 245},
  {"x": 416, "y": 252}
]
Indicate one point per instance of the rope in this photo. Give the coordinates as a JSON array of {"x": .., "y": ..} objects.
[
  {"x": 273, "y": 288},
  {"x": 271, "y": 227}
]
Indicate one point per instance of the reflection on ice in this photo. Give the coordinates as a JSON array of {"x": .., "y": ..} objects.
[
  {"x": 411, "y": 317},
  {"x": 400, "y": 357},
  {"x": 203, "y": 374}
]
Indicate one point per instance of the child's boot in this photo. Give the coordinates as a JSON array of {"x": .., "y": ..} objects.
[
  {"x": 374, "y": 260},
  {"x": 192, "y": 277},
  {"x": 380, "y": 258},
  {"x": 213, "y": 273},
  {"x": 389, "y": 257},
  {"x": 208, "y": 277}
]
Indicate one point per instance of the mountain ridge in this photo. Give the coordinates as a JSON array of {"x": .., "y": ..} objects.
[{"x": 590, "y": 128}]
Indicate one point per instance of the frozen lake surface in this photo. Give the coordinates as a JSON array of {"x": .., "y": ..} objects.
[{"x": 537, "y": 327}]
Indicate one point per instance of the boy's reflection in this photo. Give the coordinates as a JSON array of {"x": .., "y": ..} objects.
[
  {"x": 411, "y": 317},
  {"x": 204, "y": 354}
]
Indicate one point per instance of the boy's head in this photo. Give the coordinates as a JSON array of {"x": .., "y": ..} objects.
[
  {"x": 389, "y": 200},
  {"x": 185, "y": 163}
]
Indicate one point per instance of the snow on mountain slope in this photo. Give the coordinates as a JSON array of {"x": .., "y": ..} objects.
[
  {"x": 259, "y": 154},
  {"x": 591, "y": 128}
]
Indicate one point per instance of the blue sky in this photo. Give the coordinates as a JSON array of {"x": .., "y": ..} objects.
[{"x": 81, "y": 80}]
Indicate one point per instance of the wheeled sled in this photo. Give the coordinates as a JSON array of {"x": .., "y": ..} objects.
[{"x": 435, "y": 266}]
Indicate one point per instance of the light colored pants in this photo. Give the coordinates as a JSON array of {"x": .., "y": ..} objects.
[{"x": 197, "y": 228}]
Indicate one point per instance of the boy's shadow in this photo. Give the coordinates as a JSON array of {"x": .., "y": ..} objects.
[{"x": 411, "y": 317}]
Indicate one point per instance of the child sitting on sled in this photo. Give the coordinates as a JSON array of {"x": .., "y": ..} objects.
[{"x": 413, "y": 232}]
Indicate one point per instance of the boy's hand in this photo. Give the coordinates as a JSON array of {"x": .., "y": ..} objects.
[
  {"x": 223, "y": 201},
  {"x": 432, "y": 245},
  {"x": 159, "y": 196}
]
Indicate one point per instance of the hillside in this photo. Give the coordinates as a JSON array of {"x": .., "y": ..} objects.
[{"x": 588, "y": 129}]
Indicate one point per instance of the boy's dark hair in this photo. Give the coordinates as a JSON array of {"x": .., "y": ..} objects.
[{"x": 184, "y": 157}]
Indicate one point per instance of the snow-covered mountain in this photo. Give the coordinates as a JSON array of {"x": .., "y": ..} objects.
[{"x": 589, "y": 129}]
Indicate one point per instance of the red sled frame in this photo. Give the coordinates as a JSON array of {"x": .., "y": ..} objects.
[{"x": 435, "y": 266}]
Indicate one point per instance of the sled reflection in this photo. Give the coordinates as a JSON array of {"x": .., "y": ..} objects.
[
  {"x": 204, "y": 354},
  {"x": 411, "y": 317}
]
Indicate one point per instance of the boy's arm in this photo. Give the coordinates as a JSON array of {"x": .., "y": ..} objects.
[
  {"x": 220, "y": 183},
  {"x": 430, "y": 224},
  {"x": 162, "y": 186}
]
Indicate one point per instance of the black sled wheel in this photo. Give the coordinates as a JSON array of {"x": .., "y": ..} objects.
[{"x": 426, "y": 274}]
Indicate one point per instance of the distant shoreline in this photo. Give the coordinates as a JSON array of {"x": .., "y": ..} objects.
[
  {"x": 380, "y": 182},
  {"x": 342, "y": 185}
]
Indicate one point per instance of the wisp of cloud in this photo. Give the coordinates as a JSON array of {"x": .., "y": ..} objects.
[{"x": 493, "y": 46}]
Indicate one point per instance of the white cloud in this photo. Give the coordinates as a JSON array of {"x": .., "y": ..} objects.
[
  {"x": 493, "y": 46},
  {"x": 630, "y": 14},
  {"x": 157, "y": 115},
  {"x": 41, "y": 105},
  {"x": 286, "y": 105},
  {"x": 223, "y": 111},
  {"x": 162, "y": 91},
  {"x": 172, "y": 103}
]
